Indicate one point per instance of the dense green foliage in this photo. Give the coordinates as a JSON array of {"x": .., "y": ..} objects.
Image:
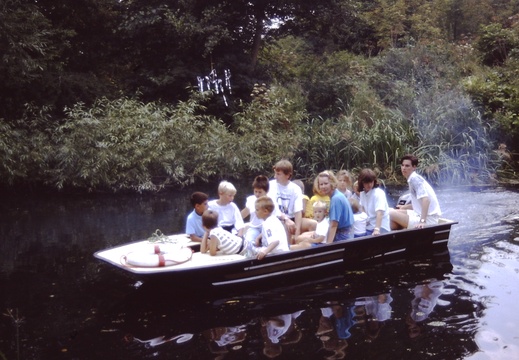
[{"x": 99, "y": 94}]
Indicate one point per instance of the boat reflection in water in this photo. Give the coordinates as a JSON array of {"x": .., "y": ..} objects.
[{"x": 388, "y": 312}]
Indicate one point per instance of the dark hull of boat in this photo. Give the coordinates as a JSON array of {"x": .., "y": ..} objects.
[{"x": 317, "y": 261}]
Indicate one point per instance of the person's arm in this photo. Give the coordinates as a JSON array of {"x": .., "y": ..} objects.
[
  {"x": 298, "y": 217},
  {"x": 268, "y": 249},
  {"x": 332, "y": 230},
  {"x": 195, "y": 238},
  {"x": 213, "y": 246},
  {"x": 424, "y": 202},
  {"x": 316, "y": 239},
  {"x": 378, "y": 222},
  {"x": 239, "y": 224},
  {"x": 245, "y": 212},
  {"x": 203, "y": 245}
]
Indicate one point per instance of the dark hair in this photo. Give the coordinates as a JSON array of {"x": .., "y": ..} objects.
[
  {"x": 414, "y": 159},
  {"x": 198, "y": 198},
  {"x": 210, "y": 219},
  {"x": 261, "y": 182},
  {"x": 366, "y": 176}
]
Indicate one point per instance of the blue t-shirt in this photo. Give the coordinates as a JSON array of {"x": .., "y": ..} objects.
[
  {"x": 340, "y": 210},
  {"x": 194, "y": 224}
]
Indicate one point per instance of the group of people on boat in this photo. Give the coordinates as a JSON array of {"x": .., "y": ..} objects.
[{"x": 282, "y": 218}]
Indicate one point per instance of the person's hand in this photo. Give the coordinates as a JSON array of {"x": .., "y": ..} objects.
[
  {"x": 376, "y": 231},
  {"x": 261, "y": 255},
  {"x": 290, "y": 225},
  {"x": 419, "y": 226}
]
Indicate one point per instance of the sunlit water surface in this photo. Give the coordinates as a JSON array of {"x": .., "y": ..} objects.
[{"x": 58, "y": 302}]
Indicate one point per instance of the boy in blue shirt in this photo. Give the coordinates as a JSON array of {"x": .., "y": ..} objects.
[{"x": 194, "y": 227}]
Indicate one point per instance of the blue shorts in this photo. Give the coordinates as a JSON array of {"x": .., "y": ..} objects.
[{"x": 343, "y": 234}]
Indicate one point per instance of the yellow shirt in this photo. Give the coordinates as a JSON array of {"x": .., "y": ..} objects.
[{"x": 309, "y": 211}]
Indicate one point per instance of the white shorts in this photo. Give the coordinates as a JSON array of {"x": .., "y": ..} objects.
[{"x": 414, "y": 219}]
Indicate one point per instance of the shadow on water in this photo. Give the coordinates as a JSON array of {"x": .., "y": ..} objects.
[{"x": 75, "y": 307}]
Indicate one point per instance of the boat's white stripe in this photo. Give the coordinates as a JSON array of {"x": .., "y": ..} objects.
[
  {"x": 294, "y": 259},
  {"x": 257, "y": 277},
  {"x": 440, "y": 241},
  {"x": 389, "y": 253}
]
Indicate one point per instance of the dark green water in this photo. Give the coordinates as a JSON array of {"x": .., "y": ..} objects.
[{"x": 59, "y": 302}]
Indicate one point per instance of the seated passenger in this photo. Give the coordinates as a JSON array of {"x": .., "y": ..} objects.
[
  {"x": 424, "y": 208},
  {"x": 360, "y": 219},
  {"x": 273, "y": 238},
  {"x": 260, "y": 187},
  {"x": 220, "y": 240},
  {"x": 194, "y": 227},
  {"x": 344, "y": 183},
  {"x": 374, "y": 202},
  {"x": 310, "y": 238},
  {"x": 229, "y": 215}
]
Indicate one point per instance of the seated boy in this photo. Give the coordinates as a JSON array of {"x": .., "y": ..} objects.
[
  {"x": 194, "y": 227},
  {"x": 260, "y": 187},
  {"x": 220, "y": 240},
  {"x": 273, "y": 235},
  {"x": 229, "y": 217},
  {"x": 288, "y": 197},
  {"x": 311, "y": 238}
]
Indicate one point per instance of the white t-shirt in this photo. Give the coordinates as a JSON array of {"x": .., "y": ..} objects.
[
  {"x": 250, "y": 204},
  {"x": 322, "y": 227},
  {"x": 227, "y": 214},
  {"x": 420, "y": 188},
  {"x": 360, "y": 221},
  {"x": 272, "y": 230},
  {"x": 372, "y": 202},
  {"x": 288, "y": 198}
]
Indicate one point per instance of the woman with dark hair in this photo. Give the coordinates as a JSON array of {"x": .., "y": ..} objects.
[{"x": 373, "y": 200}]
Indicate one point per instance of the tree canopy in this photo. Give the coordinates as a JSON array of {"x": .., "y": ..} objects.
[{"x": 336, "y": 63}]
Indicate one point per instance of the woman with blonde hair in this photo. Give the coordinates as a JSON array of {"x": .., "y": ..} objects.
[{"x": 340, "y": 213}]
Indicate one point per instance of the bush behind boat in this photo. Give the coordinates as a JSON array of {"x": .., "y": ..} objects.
[{"x": 125, "y": 144}]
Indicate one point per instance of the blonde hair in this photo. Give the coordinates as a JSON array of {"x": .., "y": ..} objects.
[
  {"x": 320, "y": 205},
  {"x": 226, "y": 187},
  {"x": 355, "y": 205},
  {"x": 347, "y": 175},
  {"x": 330, "y": 175},
  {"x": 265, "y": 202}
]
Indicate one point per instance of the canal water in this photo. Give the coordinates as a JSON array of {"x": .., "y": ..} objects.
[{"x": 58, "y": 302}]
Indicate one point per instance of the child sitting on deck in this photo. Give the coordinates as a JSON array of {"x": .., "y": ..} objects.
[
  {"x": 194, "y": 227},
  {"x": 360, "y": 219},
  {"x": 253, "y": 228},
  {"x": 219, "y": 240},
  {"x": 312, "y": 238},
  {"x": 273, "y": 238},
  {"x": 229, "y": 216}
]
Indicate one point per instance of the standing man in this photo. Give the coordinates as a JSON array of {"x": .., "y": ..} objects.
[{"x": 424, "y": 208}]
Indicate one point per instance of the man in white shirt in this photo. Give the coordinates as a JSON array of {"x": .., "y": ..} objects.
[{"x": 424, "y": 208}]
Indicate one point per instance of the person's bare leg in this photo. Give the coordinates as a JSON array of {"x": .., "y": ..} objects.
[{"x": 398, "y": 219}]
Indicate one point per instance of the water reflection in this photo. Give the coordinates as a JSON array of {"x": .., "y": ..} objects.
[{"x": 74, "y": 307}]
